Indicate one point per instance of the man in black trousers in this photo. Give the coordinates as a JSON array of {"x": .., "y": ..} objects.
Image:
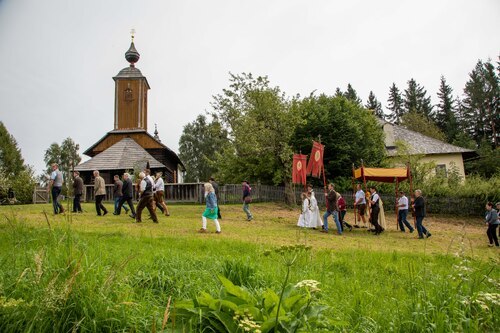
[{"x": 127, "y": 195}]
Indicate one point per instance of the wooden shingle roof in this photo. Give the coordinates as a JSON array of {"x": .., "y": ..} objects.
[{"x": 123, "y": 155}]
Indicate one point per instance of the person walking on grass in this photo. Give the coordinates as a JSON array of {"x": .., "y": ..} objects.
[
  {"x": 216, "y": 189},
  {"x": 360, "y": 206},
  {"x": 403, "y": 213},
  {"x": 118, "y": 194},
  {"x": 331, "y": 209},
  {"x": 210, "y": 210},
  {"x": 342, "y": 206},
  {"x": 247, "y": 199},
  {"x": 100, "y": 193},
  {"x": 55, "y": 185},
  {"x": 419, "y": 207},
  {"x": 127, "y": 195},
  {"x": 375, "y": 210},
  {"x": 146, "y": 201},
  {"x": 77, "y": 192},
  {"x": 498, "y": 213},
  {"x": 159, "y": 194},
  {"x": 492, "y": 222}
]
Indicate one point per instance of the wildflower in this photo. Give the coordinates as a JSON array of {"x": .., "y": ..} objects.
[{"x": 311, "y": 285}]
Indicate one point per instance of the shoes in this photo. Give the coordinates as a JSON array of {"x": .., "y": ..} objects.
[
  {"x": 155, "y": 221},
  {"x": 115, "y": 213},
  {"x": 202, "y": 231},
  {"x": 167, "y": 214},
  {"x": 105, "y": 213},
  {"x": 429, "y": 235},
  {"x": 218, "y": 232},
  {"x": 356, "y": 226},
  {"x": 132, "y": 216},
  {"x": 325, "y": 231},
  {"x": 412, "y": 230},
  {"x": 350, "y": 228},
  {"x": 250, "y": 218},
  {"x": 420, "y": 237},
  {"x": 490, "y": 245},
  {"x": 138, "y": 221}
]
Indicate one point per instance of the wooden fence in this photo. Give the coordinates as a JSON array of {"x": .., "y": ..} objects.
[{"x": 232, "y": 193}]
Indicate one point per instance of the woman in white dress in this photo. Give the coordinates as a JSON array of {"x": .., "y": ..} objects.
[
  {"x": 305, "y": 215},
  {"x": 316, "y": 221}
]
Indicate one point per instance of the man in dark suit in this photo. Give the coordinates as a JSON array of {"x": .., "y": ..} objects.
[
  {"x": 127, "y": 195},
  {"x": 419, "y": 206},
  {"x": 77, "y": 192}
]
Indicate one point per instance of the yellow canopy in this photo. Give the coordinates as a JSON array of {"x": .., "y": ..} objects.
[{"x": 382, "y": 174}]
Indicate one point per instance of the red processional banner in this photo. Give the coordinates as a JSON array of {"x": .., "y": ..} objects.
[
  {"x": 315, "y": 164},
  {"x": 299, "y": 169}
]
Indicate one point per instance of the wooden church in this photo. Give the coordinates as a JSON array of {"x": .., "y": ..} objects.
[{"x": 129, "y": 147}]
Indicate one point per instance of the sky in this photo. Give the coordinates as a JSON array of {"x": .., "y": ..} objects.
[{"x": 59, "y": 56}]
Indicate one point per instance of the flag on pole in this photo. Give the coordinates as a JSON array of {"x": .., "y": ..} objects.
[
  {"x": 315, "y": 164},
  {"x": 299, "y": 169}
]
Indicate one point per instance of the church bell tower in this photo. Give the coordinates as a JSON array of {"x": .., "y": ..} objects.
[{"x": 131, "y": 95}]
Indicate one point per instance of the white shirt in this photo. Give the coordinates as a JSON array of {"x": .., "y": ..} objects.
[
  {"x": 403, "y": 201},
  {"x": 375, "y": 198},
  {"x": 360, "y": 195},
  {"x": 159, "y": 185}
]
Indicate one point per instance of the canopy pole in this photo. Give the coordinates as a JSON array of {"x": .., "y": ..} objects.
[
  {"x": 412, "y": 197},
  {"x": 396, "y": 203},
  {"x": 368, "y": 202},
  {"x": 354, "y": 194}
]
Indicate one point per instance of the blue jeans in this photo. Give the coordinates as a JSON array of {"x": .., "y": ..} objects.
[
  {"x": 117, "y": 202},
  {"x": 420, "y": 228},
  {"x": 402, "y": 214},
  {"x": 246, "y": 209},
  {"x": 58, "y": 208},
  {"x": 335, "y": 218}
]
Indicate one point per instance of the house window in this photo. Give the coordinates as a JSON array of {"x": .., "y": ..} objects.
[{"x": 441, "y": 170}]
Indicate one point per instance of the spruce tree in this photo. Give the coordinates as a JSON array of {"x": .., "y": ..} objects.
[
  {"x": 373, "y": 104},
  {"x": 416, "y": 99},
  {"x": 11, "y": 161},
  {"x": 445, "y": 112},
  {"x": 474, "y": 116},
  {"x": 352, "y": 95},
  {"x": 395, "y": 104}
]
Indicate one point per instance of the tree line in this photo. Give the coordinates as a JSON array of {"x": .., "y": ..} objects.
[{"x": 253, "y": 128}]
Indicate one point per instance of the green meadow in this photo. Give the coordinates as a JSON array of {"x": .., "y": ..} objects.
[{"x": 85, "y": 273}]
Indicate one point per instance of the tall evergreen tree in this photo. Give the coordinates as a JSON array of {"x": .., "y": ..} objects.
[
  {"x": 11, "y": 161},
  {"x": 352, "y": 95},
  {"x": 338, "y": 92},
  {"x": 416, "y": 99},
  {"x": 395, "y": 104},
  {"x": 474, "y": 116},
  {"x": 492, "y": 101},
  {"x": 373, "y": 104},
  {"x": 445, "y": 112}
]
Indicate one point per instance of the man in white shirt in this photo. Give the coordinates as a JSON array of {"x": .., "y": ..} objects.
[
  {"x": 403, "y": 212},
  {"x": 360, "y": 206},
  {"x": 159, "y": 191},
  {"x": 56, "y": 183}
]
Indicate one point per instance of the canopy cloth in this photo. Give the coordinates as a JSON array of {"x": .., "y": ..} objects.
[{"x": 384, "y": 175}]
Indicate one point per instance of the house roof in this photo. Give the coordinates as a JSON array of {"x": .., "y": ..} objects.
[
  {"x": 417, "y": 142},
  {"x": 123, "y": 155}
]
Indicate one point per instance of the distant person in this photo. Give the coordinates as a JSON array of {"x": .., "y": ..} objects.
[
  {"x": 160, "y": 194},
  {"x": 146, "y": 195},
  {"x": 316, "y": 221},
  {"x": 403, "y": 213},
  {"x": 216, "y": 189},
  {"x": 375, "y": 210},
  {"x": 342, "y": 207},
  {"x": 100, "y": 193},
  {"x": 305, "y": 214},
  {"x": 118, "y": 194},
  {"x": 127, "y": 195},
  {"x": 492, "y": 222},
  {"x": 419, "y": 207},
  {"x": 77, "y": 192},
  {"x": 331, "y": 209},
  {"x": 55, "y": 184},
  {"x": 210, "y": 209},
  {"x": 247, "y": 199},
  {"x": 360, "y": 206},
  {"x": 498, "y": 213}
]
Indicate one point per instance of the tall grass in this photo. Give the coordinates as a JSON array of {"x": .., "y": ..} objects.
[{"x": 70, "y": 277}]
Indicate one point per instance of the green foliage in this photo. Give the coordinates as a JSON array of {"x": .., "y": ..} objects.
[
  {"x": 338, "y": 121},
  {"x": 445, "y": 112},
  {"x": 416, "y": 99},
  {"x": 198, "y": 146},
  {"x": 487, "y": 163},
  {"x": 396, "y": 106},
  {"x": 11, "y": 161},
  {"x": 352, "y": 95},
  {"x": 373, "y": 104},
  {"x": 420, "y": 123},
  {"x": 260, "y": 121}
]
